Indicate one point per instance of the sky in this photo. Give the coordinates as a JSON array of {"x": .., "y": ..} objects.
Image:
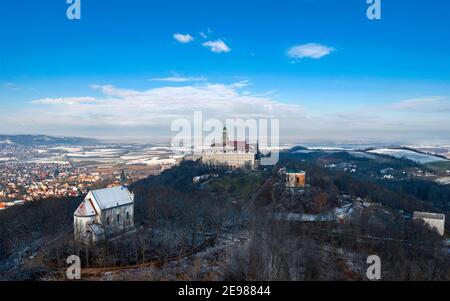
[{"x": 127, "y": 69}]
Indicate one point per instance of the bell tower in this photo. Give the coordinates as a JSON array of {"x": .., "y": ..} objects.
[{"x": 225, "y": 139}]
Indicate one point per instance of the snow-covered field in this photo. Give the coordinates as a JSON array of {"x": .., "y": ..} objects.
[
  {"x": 7, "y": 159},
  {"x": 442, "y": 150},
  {"x": 411, "y": 155},
  {"x": 147, "y": 156},
  {"x": 50, "y": 160},
  {"x": 329, "y": 148},
  {"x": 102, "y": 153},
  {"x": 364, "y": 155},
  {"x": 444, "y": 181},
  {"x": 67, "y": 149},
  {"x": 153, "y": 161}
]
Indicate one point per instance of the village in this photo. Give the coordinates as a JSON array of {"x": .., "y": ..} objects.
[
  {"x": 28, "y": 182},
  {"x": 29, "y": 173}
]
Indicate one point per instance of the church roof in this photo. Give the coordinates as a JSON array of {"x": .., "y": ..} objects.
[
  {"x": 112, "y": 197},
  {"x": 85, "y": 209}
]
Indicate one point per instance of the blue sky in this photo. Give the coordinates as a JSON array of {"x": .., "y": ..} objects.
[{"x": 321, "y": 66}]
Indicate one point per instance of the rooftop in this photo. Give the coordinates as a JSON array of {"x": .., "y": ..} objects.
[
  {"x": 85, "y": 209},
  {"x": 97, "y": 229},
  {"x": 112, "y": 197},
  {"x": 295, "y": 171},
  {"x": 429, "y": 215}
]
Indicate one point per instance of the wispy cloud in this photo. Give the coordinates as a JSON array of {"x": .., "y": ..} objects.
[
  {"x": 120, "y": 113},
  {"x": 311, "y": 50},
  {"x": 11, "y": 86},
  {"x": 217, "y": 46},
  {"x": 158, "y": 107},
  {"x": 206, "y": 34},
  {"x": 183, "y": 38},
  {"x": 417, "y": 103},
  {"x": 64, "y": 100},
  {"x": 180, "y": 79},
  {"x": 241, "y": 84}
]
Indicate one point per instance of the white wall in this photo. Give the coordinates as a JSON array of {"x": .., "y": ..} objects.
[{"x": 438, "y": 225}]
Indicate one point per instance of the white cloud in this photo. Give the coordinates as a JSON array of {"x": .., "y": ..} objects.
[
  {"x": 241, "y": 84},
  {"x": 158, "y": 107},
  {"x": 183, "y": 38},
  {"x": 142, "y": 115},
  {"x": 63, "y": 100},
  {"x": 311, "y": 50},
  {"x": 217, "y": 46},
  {"x": 416, "y": 103},
  {"x": 180, "y": 79}
]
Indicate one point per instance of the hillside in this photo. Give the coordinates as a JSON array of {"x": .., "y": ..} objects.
[
  {"x": 223, "y": 228},
  {"x": 44, "y": 140}
]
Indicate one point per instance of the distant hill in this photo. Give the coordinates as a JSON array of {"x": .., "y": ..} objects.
[
  {"x": 43, "y": 140},
  {"x": 298, "y": 148}
]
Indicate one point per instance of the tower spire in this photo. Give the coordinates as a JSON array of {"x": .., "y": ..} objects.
[{"x": 225, "y": 139}]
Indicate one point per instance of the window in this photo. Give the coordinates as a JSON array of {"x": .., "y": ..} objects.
[
  {"x": 128, "y": 215},
  {"x": 118, "y": 217},
  {"x": 107, "y": 220}
]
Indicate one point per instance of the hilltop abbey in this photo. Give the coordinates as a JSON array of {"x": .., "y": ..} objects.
[{"x": 232, "y": 154}]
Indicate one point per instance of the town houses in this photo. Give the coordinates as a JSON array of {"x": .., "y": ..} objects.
[{"x": 26, "y": 182}]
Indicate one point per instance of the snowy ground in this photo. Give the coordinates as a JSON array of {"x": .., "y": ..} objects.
[
  {"x": 444, "y": 181},
  {"x": 411, "y": 155}
]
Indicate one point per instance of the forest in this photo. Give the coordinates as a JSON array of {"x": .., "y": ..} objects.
[{"x": 176, "y": 219}]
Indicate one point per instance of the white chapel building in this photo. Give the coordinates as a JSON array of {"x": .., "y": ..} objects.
[{"x": 103, "y": 214}]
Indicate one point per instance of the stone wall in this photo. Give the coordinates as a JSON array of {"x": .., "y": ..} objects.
[{"x": 118, "y": 220}]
